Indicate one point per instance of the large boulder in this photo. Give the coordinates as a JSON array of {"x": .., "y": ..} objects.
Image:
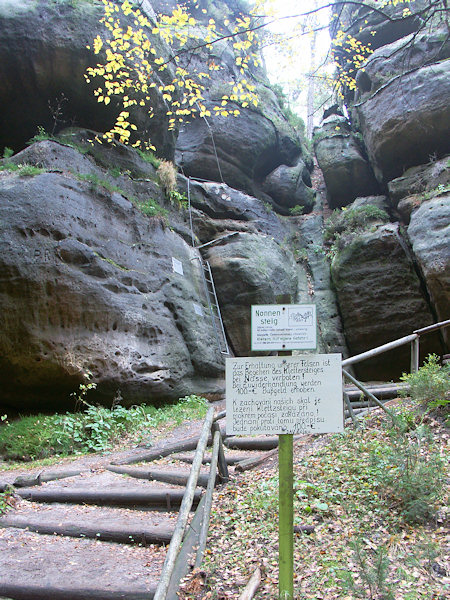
[
  {"x": 345, "y": 168},
  {"x": 402, "y": 105},
  {"x": 88, "y": 282},
  {"x": 380, "y": 299},
  {"x": 43, "y": 58},
  {"x": 429, "y": 233},
  {"x": 290, "y": 187},
  {"x": 249, "y": 269}
]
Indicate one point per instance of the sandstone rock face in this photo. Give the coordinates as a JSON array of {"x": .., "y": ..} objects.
[
  {"x": 346, "y": 171},
  {"x": 429, "y": 233},
  {"x": 240, "y": 151},
  {"x": 43, "y": 55},
  {"x": 249, "y": 269},
  {"x": 87, "y": 282},
  {"x": 290, "y": 187},
  {"x": 380, "y": 299},
  {"x": 378, "y": 28},
  {"x": 402, "y": 133},
  {"x": 417, "y": 180}
]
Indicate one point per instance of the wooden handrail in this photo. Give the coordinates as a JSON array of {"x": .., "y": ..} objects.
[{"x": 183, "y": 515}]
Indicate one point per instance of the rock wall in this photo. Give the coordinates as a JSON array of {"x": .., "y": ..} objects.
[{"x": 392, "y": 279}]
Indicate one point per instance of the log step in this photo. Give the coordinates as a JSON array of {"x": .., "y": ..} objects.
[
  {"x": 16, "y": 591},
  {"x": 174, "y": 477},
  {"x": 48, "y": 567},
  {"x": 146, "y": 499},
  {"x": 231, "y": 459},
  {"x": 252, "y": 443},
  {"x": 104, "y": 529}
]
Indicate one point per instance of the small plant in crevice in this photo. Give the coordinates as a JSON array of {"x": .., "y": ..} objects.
[
  {"x": 167, "y": 176},
  {"x": 7, "y": 152},
  {"x": 345, "y": 223},
  {"x": 296, "y": 211},
  {"x": 149, "y": 157}
]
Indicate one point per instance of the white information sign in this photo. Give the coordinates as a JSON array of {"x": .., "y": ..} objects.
[
  {"x": 284, "y": 394},
  {"x": 284, "y": 327},
  {"x": 177, "y": 266}
]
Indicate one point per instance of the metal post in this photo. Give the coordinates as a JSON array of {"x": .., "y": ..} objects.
[
  {"x": 286, "y": 517},
  {"x": 415, "y": 355}
]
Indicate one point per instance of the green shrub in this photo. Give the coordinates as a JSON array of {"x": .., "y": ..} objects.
[
  {"x": 430, "y": 385},
  {"x": 7, "y": 152},
  {"x": 296, "y": 211},
  {"x": 353, "y": 220},
  {"x": 409, "y": 479},
  {"x": 149, "y": 157},
  {"x": 93, "y": 430}
]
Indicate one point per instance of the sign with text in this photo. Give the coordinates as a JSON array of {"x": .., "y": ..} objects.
[
  {"x": 284, "y": 394},
  {"x": 284, "y": 327}
]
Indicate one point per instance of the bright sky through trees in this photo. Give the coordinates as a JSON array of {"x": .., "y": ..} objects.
[{"x": 296, "y": 50}]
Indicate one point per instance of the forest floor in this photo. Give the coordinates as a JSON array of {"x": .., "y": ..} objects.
[{"x": 360, "y": 541}]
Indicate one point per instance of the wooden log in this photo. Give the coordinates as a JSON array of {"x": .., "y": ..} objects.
[
  {"x": 208, "y": 500},
  {"x": 45, "y": 476},
  {"x": 252, "y": 585},
  {"x": 252, "y": 462},
  {"x": 231, "y": 460},
  {"x": 252, "y": 443},
  {"x": 180, "y": 528},
  {"x": 18, "y": 591},
  {"x": 223, "y": 467},
  {"x": 155, "y": 498},
  {"x": 175, "y": 477},
  {"x": 125, "y": 534},
  {"x": 156, "y": 453}
]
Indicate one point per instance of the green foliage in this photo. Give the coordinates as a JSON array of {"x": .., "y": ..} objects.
[
  {"x": 40, "y": 136},
  {"x": 149, "y": 157},
  {"x": 349, "y": 222},
  {"x": 373, "y": 570},
  {"x": 95, "y": 429},
  {"x": 23, "y": 170},
  {"x": 149, "y": 207},
  {"x": 5, "y": 501},
  {"x": 430, "y": 385},
  {"x": 7, "y": 152},
  {"x": 296, "y": 211}
]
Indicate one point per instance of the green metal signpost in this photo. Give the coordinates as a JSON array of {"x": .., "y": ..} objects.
[
  {"x": 284, "y": 395},
  {"x": 286, "y": 517}
]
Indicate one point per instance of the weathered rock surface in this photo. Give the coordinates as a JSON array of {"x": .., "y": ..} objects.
[
  {"x": 380, "y": 298},
  {"x": 429, "y": 233},
  {"x": 400, "y": 134},
  {"x": 290, "y": 187},
  {"x": 87, "y": 282},
  {"x": 346, "y": 170},
  {"x": 417, "y": 180},
  {"x": 249, "y": 269},
  {"x": 43, "y": 55},
  {"x": 378, "y": 27}
]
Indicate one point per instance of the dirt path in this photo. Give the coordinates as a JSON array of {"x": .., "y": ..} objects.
[{"x": 95, "y": 533}]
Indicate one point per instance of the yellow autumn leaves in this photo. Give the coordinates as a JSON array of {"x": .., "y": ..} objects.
[{"x": 132, "y": 62}]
